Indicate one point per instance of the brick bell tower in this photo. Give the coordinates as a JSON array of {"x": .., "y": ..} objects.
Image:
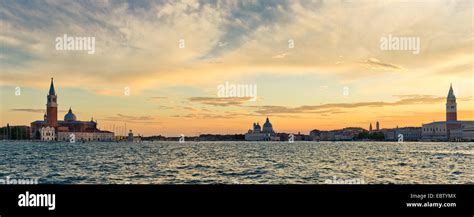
[
  {"x": 451, "y": 110},
  {"x": 52, "y": 107}
]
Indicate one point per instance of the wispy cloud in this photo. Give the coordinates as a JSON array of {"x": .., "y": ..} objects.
[
  {"x": 132, "y": 119},
  {"x": 206, "y": 116},
  {"x": 32, "y": 110},
  {"x": 330, "y": 108},
  {"x": 220, "y": 101},
  {"x": 281, "y": 55},
  {"x": 29, "y": 110},
  {"x": 377, "y": 64},
  {"x": 158, "y": 97},
  {"x": 189, "y": 108}
]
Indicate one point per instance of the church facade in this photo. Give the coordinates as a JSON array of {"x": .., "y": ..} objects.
[
  {"x": 452, "y": 129},
  {"x": 258, "y": 133},
  {"x": 69, "y": 129}
]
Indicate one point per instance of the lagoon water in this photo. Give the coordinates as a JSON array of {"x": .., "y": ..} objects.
[{"x": 238, "y": 162}]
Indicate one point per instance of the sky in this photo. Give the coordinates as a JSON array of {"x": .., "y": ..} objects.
[{"x": 157, "y": 65}]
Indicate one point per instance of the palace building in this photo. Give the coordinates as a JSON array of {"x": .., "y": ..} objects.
[
  {"x": 452, "y": 129},
  {"x": 52, "y": 129}
]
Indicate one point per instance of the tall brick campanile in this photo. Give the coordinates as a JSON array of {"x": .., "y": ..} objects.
[
  {"x": 451, "y": 110},
  {"x": 52, "y": 107}
]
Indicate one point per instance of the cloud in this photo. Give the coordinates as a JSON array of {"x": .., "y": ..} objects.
[
  {"x": 29, "y": 110},
  {"x": 281, "y": 55},
  {"x": 124, "y": 45},
  {"x": 32, "y": 110},
  {"x": 220, "y": 101},
  {"x": 402, "y": 96},
  {"x": 377, "y": 64},
  {"x": 223, "y": 44},
  {"x": 331, "y": 108},
  {"x": 129, "y": 117},
  {"x": 457, "y": 69},
  {"x": 132, "y": 119},
  {"x": 189, "y": 108},
  {"x": 165, "y": 107},
  {"x": 158, "y": 98},
  {"x": 239, "y": 35},
  {"x": 206, "y": 116}
]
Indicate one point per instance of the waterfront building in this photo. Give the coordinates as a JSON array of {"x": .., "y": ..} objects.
[
  {"x": 14, "y": 132},
  {"x": 262, "y": 134},
  {"x": 315, "y": 135},
  {"x": 451, "y": 129},
  {"x": 130, "y": 136},
  {"x": 328, "y": 135},
  {"x": 348, "y": 133},
  {"x": 388, "y": 134},
  {"x": 302, "y": 137},
  {"x": 47, "y": 134},
  {"x": 217, "y": 137},
  {"x": 467, "y": 132},
  {"x": 345, "y": 134},
  {"x": 52, "y": 129},
  {"x": 408, "y": 133},
  {"x": 85, "y": 136},
  {"x": 296, "y": 137}
]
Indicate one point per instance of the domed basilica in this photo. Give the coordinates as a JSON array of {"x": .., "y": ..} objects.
[{"x": 262, "y": 134}]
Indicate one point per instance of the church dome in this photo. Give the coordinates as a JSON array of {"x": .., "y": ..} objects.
[
  {"x": 70, "y": 116},
  {"x": 258, "y": 126},
  {"x": 267, "y": 124}
]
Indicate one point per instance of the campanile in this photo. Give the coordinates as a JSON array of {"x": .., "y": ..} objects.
[
  {"x": 52, "y": 107},
  {"x": 451, "y": 110}
]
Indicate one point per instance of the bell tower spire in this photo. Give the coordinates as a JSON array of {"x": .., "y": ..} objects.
[
  {"x": 51, "y": 88},
  {"x": 451, "y": 106},
  {"x": 52, "y": 106}
]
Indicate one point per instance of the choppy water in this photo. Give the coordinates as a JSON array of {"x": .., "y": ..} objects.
[{"x": 238, "y": 162}]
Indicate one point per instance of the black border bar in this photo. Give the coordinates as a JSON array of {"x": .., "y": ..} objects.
[{"x": 238, "y": 200}]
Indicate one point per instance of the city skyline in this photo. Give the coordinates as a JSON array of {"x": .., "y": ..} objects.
[
  {"x": 123, "y": 130},
  {"x": 332, "y": 74}
]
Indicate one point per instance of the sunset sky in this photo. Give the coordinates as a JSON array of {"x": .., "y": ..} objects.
[{"x": 173, "y": 90}]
